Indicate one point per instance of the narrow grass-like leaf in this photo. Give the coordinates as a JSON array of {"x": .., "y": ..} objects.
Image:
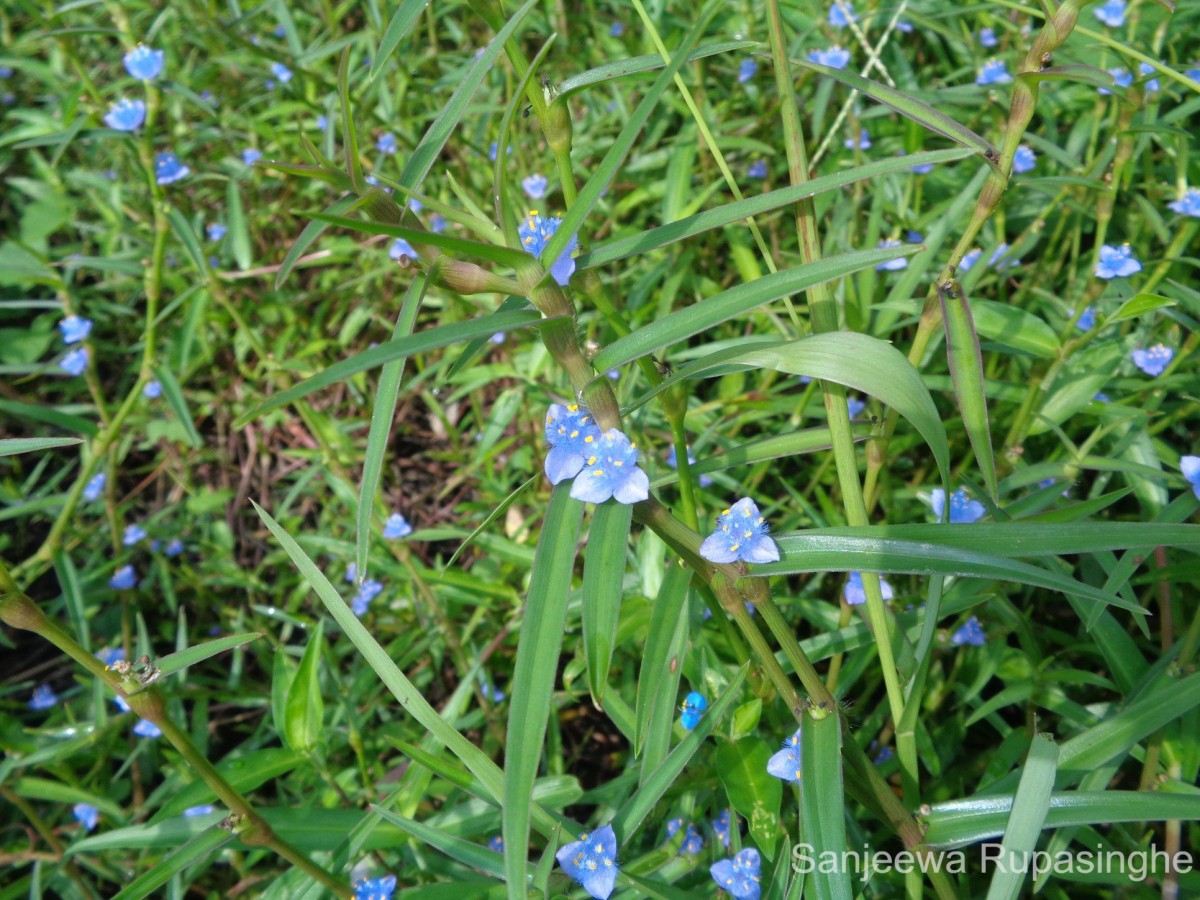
[
  {"x": 181, "y": 660},
  {"x": 503, "y": 255},
  {"x": 239, "y": 231},
  {"x": 534, "y": 674},
  {"x": 728, "y": 213},
  {"x": 1015, "y": 328},
  {"x": 13, "y": 446},
  {"x": 349, "y": 132},
  {"x": 382, "y": 411},
  {"x": 304, "y": 710},
  {"x": 431, "y": 339},
  {"x": 736, "y": 301},
  {"x": 668, "y": 607},
  {"x": 194, "y": 851},
  {"x": 308, "y": 237},
  {"x": 187, "y": 237},
  {"x": 966, "y": 371},
  {"x": 777, "y": 446},
  {"x": 491, "y": 517},
  {"x": 1139, "y": 305},
  {"x": 465, "y": 852},
  {"x": 823, "y": 802},
  {"x": 603, "y": 576},
  {"x": 401, "y": 24},
  {"x": 1027, "y": 818},
  {"x": 648, "y": 63},
  {"x": 178, "y": 403}
]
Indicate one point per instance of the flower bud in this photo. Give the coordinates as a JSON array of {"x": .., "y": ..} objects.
[{"x": 558, "y": 124}]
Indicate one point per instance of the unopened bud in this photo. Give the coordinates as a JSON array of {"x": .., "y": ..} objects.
[{"x": 558, "y": 124}]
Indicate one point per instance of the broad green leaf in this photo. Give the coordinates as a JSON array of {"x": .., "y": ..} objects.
[
  {"x": 1015, "y": 328},
  {"x": 403, "y": 20},
  {"x": 178, "y": 403},
  {"x": 1027, "y": 819},
  {"x": 305, "y": 710},
  {"x": 966, "y": 371},
  {"x": 648, "y": 63},
  {"x": 1139, "y": 305},
  {"x": 13, "y": 446},
  {"x": 191, "y": 853},
  {"x": 823, "y": 801},
  {"x": 752, "y": 791},
  {"x": 532, "y": 686},
  {"x": 181, "y": 660},
  {"x": 243, "y": 773},
  {"x": 603, "y": 578}
]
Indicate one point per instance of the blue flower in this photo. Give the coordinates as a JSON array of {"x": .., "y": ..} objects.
[
  {"x": 1152, "y": 86},
  {"x": 892, "y": 265},
  {"x": 1024, "y": 160},
  {"x": 613, "y": 374},
  {"x": 673, "y": 462},
  {"x": 854, "y": 406},
  {"x": 43, "y": 698},
  {"x": 168, "y": 169},
  {"x": 856, "y": 595},
  {"x": 1112, "y": 13},
  {"x": 400, "y": 247},
  {"x": 251, "y": 155},
  {"x": 617, "y": 29},
  {"x": 1117, "y": 262},
  {"x": 747, "y": 70},
  {"x": 692, "y": 709},
  {"x": 740, "y": 876},
  {"x": 375, "y": 888},
  {"x": 396, "y": 527},
  {"x": 147, "y": 729},
  {"x": 216, "y": 231},
  {"x": 535, "y": 233},
  {"x": 758, "y": 169},
  {"x": 351, "y": 573},
  {"x": 841, "y": 13},
  {"x": 785, "y": 764},
  {"x": 987, "y": 37},
  {"x": 1193, "y": 74},
  {"x": 534, "y": 186},
  {"x": 571, "y": 433},
  {"x": 720, "y": 827},
  {"x": 86, "y": 815},
  {"x": 126, "y": 115},
  {"x": 884, "y": 755},
  {"x": 494, "y": 149},
  {"x": 970, "y": 632},
  {"x": 322, "y": 123},
  {"x": 123, "y": 579},
  {"x": 496, "y": 843},
  {"x": 1153, "y": 360},
  {"x": 592, "y": 861},
  {"x": 1086, "y": 320},
  {"x": 1121, "y": 78},
  {"x": 741, "y": 533},
  {"x": 835, "y": 57},
  {"x": 75, "y": 362},
  {"x": 386, "y": 143},
  {"x": 969, "y": 259},
  {"x": 282, "y": 72},
  {"x": 1188, "y": 204},
  {"x": 415, "y": 205},
  {"x": 203, "y": 809},
  {"x": 963, "y": 510},
  {"x": 693, "y": 840},
  {"x": 862, "y": 142},
  {"x": 921, "y": 169},
  {"x": 174, "y": 547},
  {"x": 152, "y": 390},
  {"x": 110, "y": 655},
  {"x": 437, "y": 223},
  {"x": 144, "y": 63},
  {"x": 367, "y": 591},
  {"x": 74, "y": 329},
  {"x": 133, "y": 534},
  {"x": 95, "y": 487},
  {"x": 1190, "y": 467},
  {"x": 999, "y": 260},
  {"x": 5, "y": 72},
  {"x": 611, "y": 471},
  {"x": 993, "y": 72}
]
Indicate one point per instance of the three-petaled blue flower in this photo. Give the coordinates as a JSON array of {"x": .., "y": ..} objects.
[
  {"x": 1188, "y": 204},
  {"x": 282, "y": 72},
  {"x": 747, "y": 70},
  {"x": 841, "y": 14},
  {"x": 144, "y": 63},
  {"x": 835, "y": 57},
  {"x": 720, "y": 827},
  {"x": 110, "y": 655},
  {"x": 921, "y": 168},
  {"x": 855, "y": 594},
  {"x": 74, "y": 329},
  {"x": 86, "y": 815},
  {"x": 1086, "y": 320},
  {"x": 1117, "y": 262},
  {"x": 386, "y": 143},
  {"x": 534, "y": 186},
  {"x": 741, "y": 533},
  {"x": 95, "y": 487},
  {"x": 692, "y": 709},
  {"x": 174, "y": 547},
  {"x": 124, "y": 579},
  {"x": 1153, "y": 360},
  {"x": 152, "y": 390},
  {"x": 375, "y": 888},
  {"x": 970, "y": 632},
  {"x": 891, "y": 265},
  {"x": 854, "y": 406},
  {"x": 133, "y": 534},
  {"x": 202, "y": 809},
  {"x": 1152, "y": 86},
  {"x": 693, "y": 840},
  {"x": 993, "y": 72},
  {"x": 1112, "y": 13},
  {"x": 862, "y": 142},
  {"x": 785, "y": 763},
  {"x": 496, "y": 843},
  {"x": 535, "y": 232},
  {"x": 673, "y": 462},
  {"x": 147, "y": 729},
  {"x": 168, "y": 169},
  {"x": 216, "y": 231},
  {"x": 1121, "y": 78},
  {"x": 251, "y": 155},
  {"x": 592, "y": 861},
  {"x": 437, "y": 223},
  {"x": 758, "y": 169},
  {"x": 396, "y": 527},
  {"x": 400, "y": 247},
  {"x": 43, "y": 698},
  {"x": 740, "y": 876},
  {"x": 126, "y": 115},
  {"x": 367, "y": 591},
  {"x": 999, "y": 259},
  {"x": 616, "y": 29},
  {"x": 1024, "y": 160},
  {"x": 963, "y": 510},
  {"x": 75, "y": 362},
  {"x": 969, "y": 259},
  {"x": 987, "y": 37},
  {"x": 611, "y": 471},
  {"x": 1190, "y": 467},
  {"x": 571, "y": 433}
]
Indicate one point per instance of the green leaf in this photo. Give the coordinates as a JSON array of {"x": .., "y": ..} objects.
[
  {"x": 466, "y": 852},
  {"x": 603, "y": 579},
  {"x": 1139, "y": 305},
  {"x": 403, "y": 20},
  {"x": 305, "y": 710},
  {"x": 966, "y": 371},
  {"x": 635, "y": 64},
  {"x": 187, "y": 237},
  {"x": 239, "y": 231},
  {"x": 823, "y": 801},
  {"x": 668, "y": 608},
  {"x": 243, "y": 773},
  {"x": 532, "y": 685},
  {"x": 178, "y": 403},
  {"x": 191, "y": 853},
  {"x": 431, "y": 339},
  {"x": 1015, "y": 328},
  {"x": 808, "y": 440},
  {"x": 1028, "y": 816},
  {"x": 308, "y": 237},
  {"x": 753, "y": 793},
  {"x": 460, "y": 246},
  {"x": 13, "y": 446},
  {"x": 181, "y": 660}
]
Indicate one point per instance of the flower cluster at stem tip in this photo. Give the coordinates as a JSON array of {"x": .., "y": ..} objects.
[
  {"x": 740, "y": 876},
  {"x": 692, "y": 709},
  {"x": 693, "y": 840},
  {"x": 592, "y": 861},
  {"x": 740, "y": 534},
  {"x": 603, "y": 464},
  {"x": 535, "y": 232}
]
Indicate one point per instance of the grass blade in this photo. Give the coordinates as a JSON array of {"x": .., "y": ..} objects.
[
  {"x": 822, "y": 801},
  {"x": 13, "y": 446},
  {"x": 178, "y": 403},
  {"x": 403, "y": 20},
  {"x": 668, "y": 607},
  {"x": 966, "y": 373},
  {"x": 202, "y": 845},
  {"x": 647, "y": 63},
  {"x": 1028, "y": 816},
  {"x": 603, "y": 578},
  {"x": 177, "y": 662}
]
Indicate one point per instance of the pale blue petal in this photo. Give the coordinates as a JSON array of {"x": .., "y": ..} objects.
[
  {"x": 715, "y": 548},
  {"x": 563, "y": 463}
]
